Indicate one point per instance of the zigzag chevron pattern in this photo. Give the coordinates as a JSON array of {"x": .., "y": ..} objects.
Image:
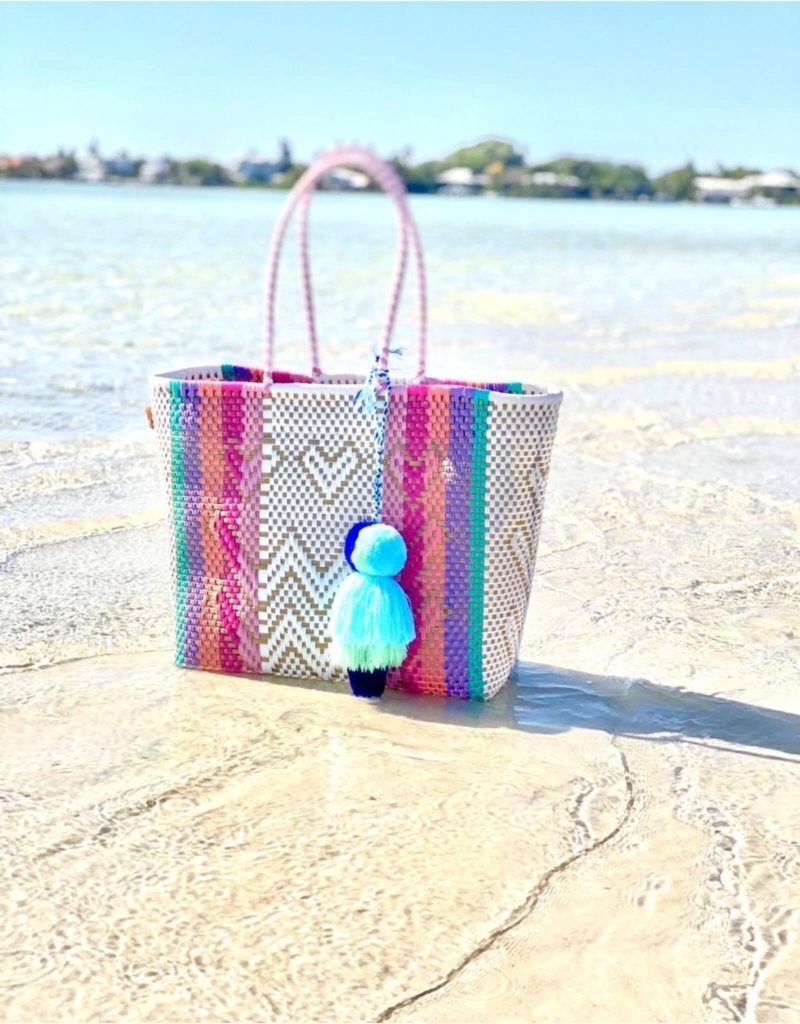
[{"x": 317, "y": 480}]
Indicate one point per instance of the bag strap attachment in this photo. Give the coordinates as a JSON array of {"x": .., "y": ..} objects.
[{"x": 408, "y": 237}]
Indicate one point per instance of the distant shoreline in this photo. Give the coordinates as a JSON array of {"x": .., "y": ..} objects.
[
  {"x": 241, "y": 187},
  {"x": 493, "y": 167}
]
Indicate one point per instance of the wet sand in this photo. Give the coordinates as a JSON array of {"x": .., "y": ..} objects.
[{"x": 614, "y": 838}]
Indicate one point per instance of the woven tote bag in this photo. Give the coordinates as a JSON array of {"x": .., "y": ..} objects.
[{"x": 265, "y": 472}]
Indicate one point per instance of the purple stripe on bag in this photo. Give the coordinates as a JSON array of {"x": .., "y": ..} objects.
[{"x": 456, "y": 624}]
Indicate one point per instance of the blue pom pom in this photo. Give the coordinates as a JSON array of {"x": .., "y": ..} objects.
[
  {"x": 352, "y": 537},
  {"x": 379, "y": 550}
]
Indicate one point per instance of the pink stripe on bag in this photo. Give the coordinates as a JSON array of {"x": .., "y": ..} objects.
[
  {"x": 229, "y": 522},
  {"x": 414, "y": 523},
  {"x": 210, "y": 468},
  {"x": 193, "y": 580}
]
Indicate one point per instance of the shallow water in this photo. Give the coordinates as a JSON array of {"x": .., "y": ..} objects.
[
  {"x": 613, "y": 839},
  {"x": 104, "y": 285}
]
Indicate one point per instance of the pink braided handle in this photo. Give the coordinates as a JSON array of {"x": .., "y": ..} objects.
[{"x": 387, "y": 178}]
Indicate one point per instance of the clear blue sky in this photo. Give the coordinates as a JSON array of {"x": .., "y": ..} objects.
[{"x": 656, "y": 83}]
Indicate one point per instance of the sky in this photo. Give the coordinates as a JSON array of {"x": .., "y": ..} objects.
[{"x": 653, "y": 83}]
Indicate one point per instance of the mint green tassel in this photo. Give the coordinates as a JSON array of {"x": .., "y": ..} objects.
[{"x": 371, "y": 623}]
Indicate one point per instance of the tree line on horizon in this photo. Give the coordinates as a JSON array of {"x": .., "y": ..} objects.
[{"x": 498, "y": 167}]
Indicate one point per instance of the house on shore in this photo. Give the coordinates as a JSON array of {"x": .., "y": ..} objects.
[
  {"x": 777, "y": 183},
  {"x": 255, "y": 167},
  {"x": 461, "y": 181},
  {"x": 709, "y": 189},
  {"x": 95, "y": 167},
  {"x": 92, "y": 167},
  {"x": 343, "y": 179},
  {"x": 750, "y": 188},
  {"x": 122, "y": 165},
  {"x": 258, "y": 168},
  {"x": 550, "y": 179},
  {"x": 155, "y": 172}
]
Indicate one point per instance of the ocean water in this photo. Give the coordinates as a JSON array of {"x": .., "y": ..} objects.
[{"x": 103, "y": 285}]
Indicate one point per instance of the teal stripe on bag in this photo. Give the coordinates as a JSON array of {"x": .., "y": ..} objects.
[
  {"x": 181, "y": 551},
  {"x": 477, "y": 540}
]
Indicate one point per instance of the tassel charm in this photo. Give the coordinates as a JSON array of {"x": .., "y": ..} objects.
[{"x": 371, "y": 622}]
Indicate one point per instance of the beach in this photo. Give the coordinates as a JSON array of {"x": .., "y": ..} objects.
[{"x": 612, "y": 838}]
